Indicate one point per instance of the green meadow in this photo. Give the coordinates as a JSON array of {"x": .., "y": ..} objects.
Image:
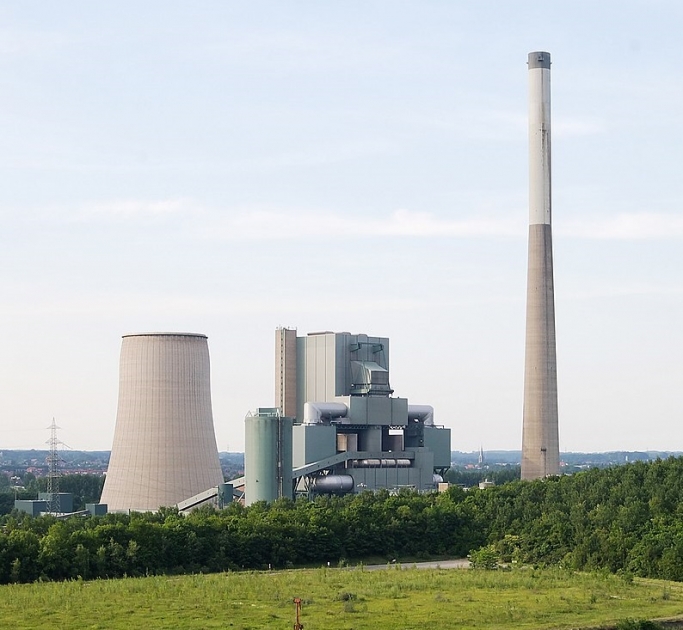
[{"x": 343, "y": 599}]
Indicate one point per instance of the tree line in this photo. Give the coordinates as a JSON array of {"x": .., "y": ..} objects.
[
  {"x": 626, "y": 518},
  {"x": 282, "y": 534}
]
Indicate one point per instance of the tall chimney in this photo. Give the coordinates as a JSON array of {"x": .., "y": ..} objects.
[{"x": 540, "y": 440}]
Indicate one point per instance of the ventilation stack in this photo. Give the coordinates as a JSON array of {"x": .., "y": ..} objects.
[{"x": 164, "y": 447}]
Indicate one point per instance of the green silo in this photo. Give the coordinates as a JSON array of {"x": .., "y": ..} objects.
[{"x": 267, "y": 456}]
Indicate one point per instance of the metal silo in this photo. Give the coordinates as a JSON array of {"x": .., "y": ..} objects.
[
  {"x": 164, "y": 447},
  {"x": 267, "y": 456}
]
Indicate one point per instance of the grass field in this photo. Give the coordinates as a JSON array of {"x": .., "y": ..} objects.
[{"x": 341, "y": 599}]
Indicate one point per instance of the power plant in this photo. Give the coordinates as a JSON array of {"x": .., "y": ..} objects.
[
  {"x": 335, "y": 425},
  {"x": 344, "y": 431},
  {"x": 164, "y": 447},
  {"x": 540, "y": 440}
]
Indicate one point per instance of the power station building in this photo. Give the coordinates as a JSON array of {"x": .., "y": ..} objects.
[
  {"x": 164, "y": 447},
  {"x": 336, "y": 424}
]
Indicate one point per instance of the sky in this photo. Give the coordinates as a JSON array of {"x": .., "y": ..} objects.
[{"x": 229, "y": 167}]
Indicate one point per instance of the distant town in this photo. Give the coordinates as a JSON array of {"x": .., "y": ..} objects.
[{"x": 16, "y": 464}]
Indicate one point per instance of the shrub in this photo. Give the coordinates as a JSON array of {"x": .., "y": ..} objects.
[
  {"x": 638, "y": 624},
  {"x": 485, "y": 558}
]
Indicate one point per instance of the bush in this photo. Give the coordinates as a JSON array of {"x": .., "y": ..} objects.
[
  {"x": 485, "y": 558},
  {"x": 638, "y": 624}
]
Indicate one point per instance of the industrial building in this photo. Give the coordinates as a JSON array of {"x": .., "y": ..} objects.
[
  {"x": 336, "y": 424},
  {"x": 164, "y": 447},
  {"x": 46, "y": 500}
]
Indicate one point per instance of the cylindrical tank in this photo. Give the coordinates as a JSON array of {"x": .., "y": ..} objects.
[
  {"x": 333, "y": 483},
  {"x": 267, "y": 456},
  {"x": 164, "y": 448}
]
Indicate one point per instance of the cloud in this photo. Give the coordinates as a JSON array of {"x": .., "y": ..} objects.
[
  {"x": 306, "y": 157},
  {"x": 628, "y": 290},
  {"x": 279, "y": 224},
  {"x": 635, "y": 226},
  {"x": 122, "y": 212},
  {"x": 317, "y": 51},
  {"x": 269, "y": 224},
  {"x": 491, "y": 218},
  {"x": 133, "y": 210},
  {"x": 568, "y": 127},
  {"x": 14, "y": 42},
  {"x": 172, "y": 306}
]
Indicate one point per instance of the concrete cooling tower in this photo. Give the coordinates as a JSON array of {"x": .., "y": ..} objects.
[{"x": 164, "y": 447}]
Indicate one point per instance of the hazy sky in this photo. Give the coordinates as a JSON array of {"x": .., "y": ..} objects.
[{"x": 228, "y": 167}]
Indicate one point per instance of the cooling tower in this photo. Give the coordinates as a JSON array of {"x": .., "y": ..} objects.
[
  {"x": 164, "y": 443},
  {"x": 540, "y": 442}
]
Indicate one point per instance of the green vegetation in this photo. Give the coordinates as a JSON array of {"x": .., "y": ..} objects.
[
  {"x": 471, "y": 478},
  {"x": 625, "y": 520},
  {"x": 343, "y": 599},
  {"x": 283, "y": 534}
]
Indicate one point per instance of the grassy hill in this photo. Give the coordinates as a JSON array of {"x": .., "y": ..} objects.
[{"x": 336, "y": 599}]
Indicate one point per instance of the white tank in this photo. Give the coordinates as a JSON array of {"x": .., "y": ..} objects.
[{"x": 164, "y": 447}]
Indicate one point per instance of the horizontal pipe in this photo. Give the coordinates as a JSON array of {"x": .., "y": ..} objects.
[{"x": 314, "y": 412}]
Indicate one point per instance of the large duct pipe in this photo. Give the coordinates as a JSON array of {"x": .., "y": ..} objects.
[
  {"x": 315, "y": 412},
  {"x": 164, "y": 448},
  {"x": 540, "y": 440},
  {"x": 333, "y": 483},
  {"x": 425, "y": 413}
]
